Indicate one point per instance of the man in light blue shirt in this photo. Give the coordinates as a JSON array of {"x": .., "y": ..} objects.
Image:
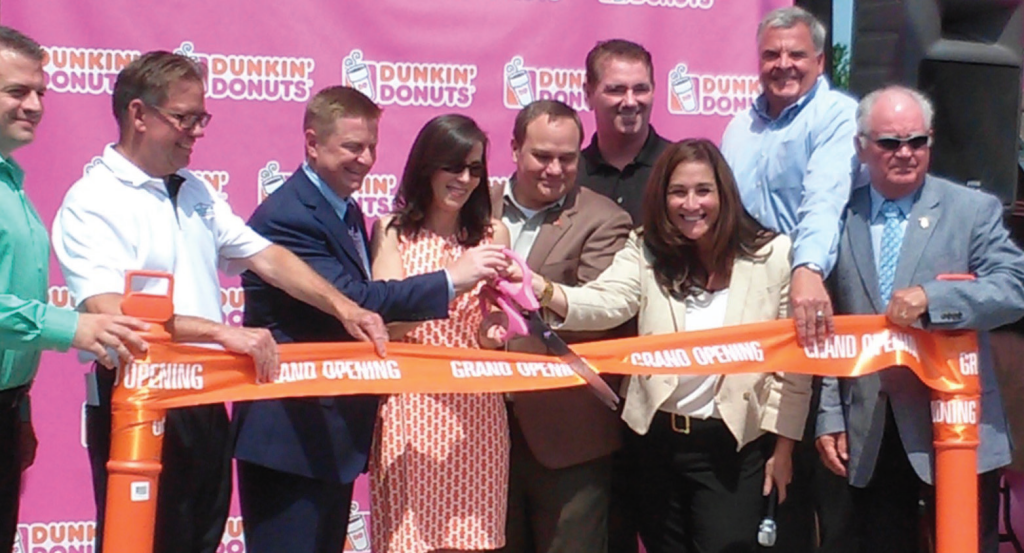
[{"x": 793, "y": 156}]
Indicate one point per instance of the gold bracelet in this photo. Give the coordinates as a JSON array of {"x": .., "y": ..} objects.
[{"x": 547, "y": 293}]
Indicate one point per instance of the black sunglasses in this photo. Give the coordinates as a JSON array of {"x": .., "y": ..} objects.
[
  {"x": 892, "y": 143},
  {"x": 476, "y": 170}
]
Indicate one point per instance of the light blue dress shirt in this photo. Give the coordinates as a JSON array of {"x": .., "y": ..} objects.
[
  {"x": 340, "y": 206},
  {"x": 794, "y": 172}
]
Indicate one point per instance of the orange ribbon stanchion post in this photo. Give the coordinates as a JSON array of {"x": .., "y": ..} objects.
[
  {"x": 955, "y": 419},
  {"x": 174, "y": 375},
  {"x": 136, "y": 440}
]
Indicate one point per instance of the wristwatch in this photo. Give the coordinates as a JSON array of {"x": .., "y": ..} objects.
[
  {"x": 546, "y": 293},
  {"x": 812, "y": 266}
]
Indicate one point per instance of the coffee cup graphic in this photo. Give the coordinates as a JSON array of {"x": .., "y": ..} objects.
[
  {"x": 519, "y": 81},
  {"x": 358, "y": 537},
  {"x": 684, "y": 87},
  {"x": 358, "y": 74},
  {"x": 270, "y": 180}
]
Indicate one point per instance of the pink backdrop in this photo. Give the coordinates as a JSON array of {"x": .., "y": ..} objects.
[{"x": 416, "y": 58}]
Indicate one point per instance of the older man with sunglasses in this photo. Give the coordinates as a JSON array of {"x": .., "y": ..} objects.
[{"x": 900, "y": 233}]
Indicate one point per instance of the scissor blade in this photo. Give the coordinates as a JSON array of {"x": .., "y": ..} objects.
[{"x": 557, "y": 347}]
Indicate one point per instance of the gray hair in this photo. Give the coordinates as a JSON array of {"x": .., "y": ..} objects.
[
  {"x": 868, "y": 104},
  {"x": 787, "y": 18}
]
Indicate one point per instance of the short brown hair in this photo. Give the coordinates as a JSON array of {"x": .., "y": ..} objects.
[
  {"x": 677, "y": 265},
  {"x": 616, "y": 48},
  {"x": 336, "y": 102},
  {"x": 149, "y": 79},
  {"x": 14, "y": 40},
  {"x": 554, "y": 109}
]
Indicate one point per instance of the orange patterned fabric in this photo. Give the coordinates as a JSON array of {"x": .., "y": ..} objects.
[{"x": 439, "y": 462}]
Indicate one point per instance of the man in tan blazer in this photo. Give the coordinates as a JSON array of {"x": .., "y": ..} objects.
[{"x": 562, "y": 440}]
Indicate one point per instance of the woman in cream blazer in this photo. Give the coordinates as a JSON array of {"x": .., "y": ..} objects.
[{"x": 704, "y": 449}]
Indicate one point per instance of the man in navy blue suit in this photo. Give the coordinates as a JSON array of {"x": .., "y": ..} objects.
[{"x": 297, "y": 458}]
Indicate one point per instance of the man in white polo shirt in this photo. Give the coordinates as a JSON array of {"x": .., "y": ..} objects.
[{"x": 139, "y": 208}]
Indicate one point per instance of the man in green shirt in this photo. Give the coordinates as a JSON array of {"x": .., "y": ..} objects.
[{"x": 28, "y": 325}]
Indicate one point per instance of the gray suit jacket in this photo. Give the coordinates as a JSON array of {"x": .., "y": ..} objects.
[{"x": 951, "y": 229}]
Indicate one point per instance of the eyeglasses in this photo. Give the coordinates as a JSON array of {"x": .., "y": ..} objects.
[
  {"x": 893, "y": 143},
  {"x": 186, "y": 121},
  {"x": 476, "y": 170}
]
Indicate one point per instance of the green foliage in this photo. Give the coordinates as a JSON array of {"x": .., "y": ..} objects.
[{"x": 841, "y": 66}]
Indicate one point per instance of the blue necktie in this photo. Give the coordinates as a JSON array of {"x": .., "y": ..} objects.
[
  {"x": 892, "y": 239},
  {"x": 354, "y": 222}
]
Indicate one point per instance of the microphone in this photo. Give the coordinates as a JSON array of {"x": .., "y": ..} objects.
[{"x": 767, "y": 530}]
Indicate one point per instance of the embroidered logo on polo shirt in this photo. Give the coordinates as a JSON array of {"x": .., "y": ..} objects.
[{"x": 203, "y": 210}]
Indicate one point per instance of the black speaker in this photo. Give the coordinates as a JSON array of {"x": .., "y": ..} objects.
[{"x": 967, "y": 56}]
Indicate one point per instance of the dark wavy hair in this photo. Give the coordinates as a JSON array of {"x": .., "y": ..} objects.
[
  {"x": 445, "y": 141},
  {"x": 677, "y": 264}
]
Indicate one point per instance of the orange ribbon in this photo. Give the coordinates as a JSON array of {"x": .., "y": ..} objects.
[{"x": 174, "y": 375}]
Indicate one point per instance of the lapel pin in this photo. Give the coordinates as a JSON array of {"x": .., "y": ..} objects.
[{"x": 924, "y": 222}]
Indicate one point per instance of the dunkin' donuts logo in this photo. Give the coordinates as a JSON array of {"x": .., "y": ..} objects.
[
  {"x": 217, "y": 180},
  {"x": 80, "y": 536},
  {"x": 698, "y": 4},
  {"x": 269, "y": 179},
  {"x": 245, "y": 77},
  {"x": 60, "y": 296},
  {"x": 410, "y": 83},
  {"x": 55, "y": 537},
  {"x": 232, "y": 305},
  {"x": 376, "y": 197},
  {"x": 691, "y": 94},
  {"x": 84, "y": 70},
  {"x": 525, "y": 84}
]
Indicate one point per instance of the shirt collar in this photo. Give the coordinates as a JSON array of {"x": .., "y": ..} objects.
[
  {"x": 906, "y": 203},
  {"x": 761, "y": 103},
  {"x": 339, "y": 204},
  {"x": 14, "y": 171},
  {"x": 647, "y": 155},
  {"x": 127, "y": 172},
  {"x": 512, "y": 199}
]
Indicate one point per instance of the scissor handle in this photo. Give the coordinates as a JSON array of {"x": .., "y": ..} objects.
[
  {"x": 516, "y": 323},
  {"x": 521, "y": 293}
]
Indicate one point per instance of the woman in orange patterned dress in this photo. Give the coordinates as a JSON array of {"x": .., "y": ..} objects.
[{"x": 439, "y": 463}]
